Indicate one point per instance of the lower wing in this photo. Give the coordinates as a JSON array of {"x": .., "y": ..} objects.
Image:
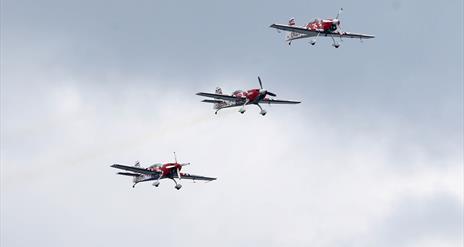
[
  {"x": 275, "y": 101},
  {"x": 310, "y": 32}
]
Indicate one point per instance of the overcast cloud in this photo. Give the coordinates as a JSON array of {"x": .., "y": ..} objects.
[{"x": 372, "y": 157}]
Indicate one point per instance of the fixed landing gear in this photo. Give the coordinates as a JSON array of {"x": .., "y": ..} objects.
[
  {"x": 313, "y": 41},
  {"x": 178, "y": 186},
  {"x": 262, "y": 112},
  {"x": 335, "y": 43},
  {"x": 242, "y": 109},
  {"x": 217, "y": 110},
  {"x": 156, "y": 183}
]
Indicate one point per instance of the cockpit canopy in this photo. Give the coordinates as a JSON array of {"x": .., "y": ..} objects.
[{"x": 157, "y": 165}]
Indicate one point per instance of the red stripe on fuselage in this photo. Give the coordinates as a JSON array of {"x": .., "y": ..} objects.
[
  {"x": 321, "y": 25},
  {"x": 167, "y": 168},
  {"x": 252, "y": 95}
]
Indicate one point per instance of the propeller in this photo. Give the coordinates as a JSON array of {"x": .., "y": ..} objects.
[
  {"x": 339, "y": 12},
  {"x": 263, "y": 91},
  {"x": 339, "y": 29},
  {"x": 178, "y": 174}
]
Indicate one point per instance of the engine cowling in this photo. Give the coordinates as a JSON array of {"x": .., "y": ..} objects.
[{"x": 333, "y": 27}]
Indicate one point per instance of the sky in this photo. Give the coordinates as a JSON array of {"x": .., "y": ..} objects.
[{"x": 373, "y": 156}]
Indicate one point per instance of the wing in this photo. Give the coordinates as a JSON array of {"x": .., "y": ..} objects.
[
  {"x": 300, "y": 36},
  {"x": 195, "y": 177},
  {"x": 275, "y": 101},
  {"x": 301, "y": 30},
  {"x": 354, "y": 35},
  {"x": 218, "y": 96},
  {"x": 215, "y": 101},
  {"x": 135, "y": 169},
  {"x": 310, "y": 33},
  {"x": 129, "y": 174}
]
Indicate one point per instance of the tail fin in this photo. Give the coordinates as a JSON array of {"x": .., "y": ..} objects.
[
  {"x": 219, "y": 104},
  {"x": 292, "y": 35},
  {"x": 291, "y": 22}
]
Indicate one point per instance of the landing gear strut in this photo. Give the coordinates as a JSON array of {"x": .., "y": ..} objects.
[
  {"x": 178, "y": 186},
  {"x": 262, "y": 112},
  {"x": 335, "y": 43},
  {"x": 313, "y": 41},
  {"x": 242, "y": 109}
]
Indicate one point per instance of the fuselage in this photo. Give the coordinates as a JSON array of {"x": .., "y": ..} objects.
[
  {"x": 253, "y": 95},
  {"x": 167, "y": 169},
  {"x": 327, "y": 25}
]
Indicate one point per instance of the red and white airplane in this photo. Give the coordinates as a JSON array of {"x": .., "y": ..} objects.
[
  {"x": 316, "y": 28},
  {"x": 159, "y": 171},
  {"x": 243, "y": 98}
]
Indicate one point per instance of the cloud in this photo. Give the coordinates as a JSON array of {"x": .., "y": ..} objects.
[
  {"x": 283, "y": 179},
  {"x": 372, "y": 155},
  {"x": 416, "y": 221}
]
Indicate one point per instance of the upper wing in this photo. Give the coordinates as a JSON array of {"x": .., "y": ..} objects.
[
  {"x": 310, "y": 32},
  {"x": 275, "y": 101},
  {"x": 218, "y": 96},
  {"x": 135, "y": 169},
  {"x": 195, "y": 177}
]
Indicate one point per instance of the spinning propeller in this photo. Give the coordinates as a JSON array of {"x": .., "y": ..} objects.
[
  {"x": 175, "y": 165},
  {"x": 339, "y": 12},
  {"x": 339, "y": 29},
  {"x": 264, "y": 91}
]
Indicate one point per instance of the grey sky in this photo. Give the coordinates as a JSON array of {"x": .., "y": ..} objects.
[{"x": 373, "y": 155}]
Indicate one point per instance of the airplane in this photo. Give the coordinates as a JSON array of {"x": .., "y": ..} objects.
[
  {"x": 243, "y": 98},
  {"x": 316, "y": 28},
  {"x": 159, "y": 171}
]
